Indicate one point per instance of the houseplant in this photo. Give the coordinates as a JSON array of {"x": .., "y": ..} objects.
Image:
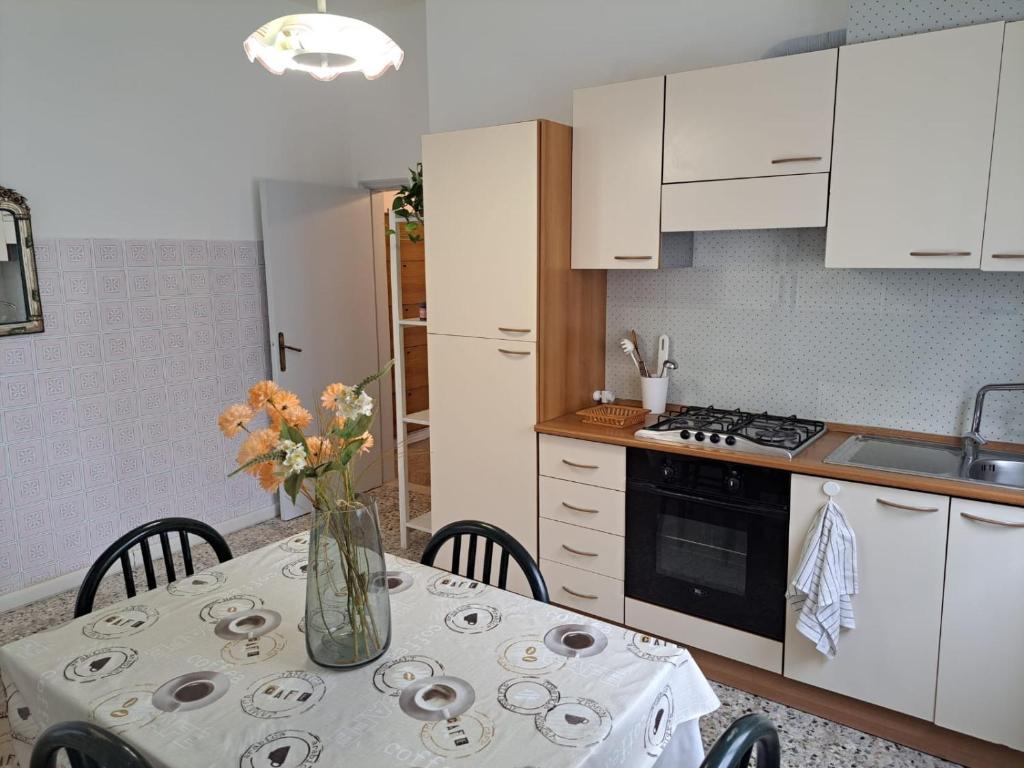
[
  {"x": 348, "y": 615},
  {"x": 408, "y": 204}
]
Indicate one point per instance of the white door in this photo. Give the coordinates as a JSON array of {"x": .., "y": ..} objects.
[
  {"x": 616, "y": 175},
  {"x": 321, "y": 297},
  {"x": 981, "y": 667},
  {"x": 1003, "y": 249},
  {"x": 913, "y": 141},
  {"x": 759, "y": 118}
]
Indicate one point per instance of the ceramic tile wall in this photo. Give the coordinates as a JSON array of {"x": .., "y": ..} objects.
[
  {"x": 877, "y": 19},
  {"x": 759, "y": 323},
  {"x": 109, "y": 417}
]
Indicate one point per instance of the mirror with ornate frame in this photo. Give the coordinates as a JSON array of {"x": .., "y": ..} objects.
[{"x": 20, "y": 308}]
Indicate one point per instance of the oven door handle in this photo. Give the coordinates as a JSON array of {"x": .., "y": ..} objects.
[{"x": 747, "y": 508}]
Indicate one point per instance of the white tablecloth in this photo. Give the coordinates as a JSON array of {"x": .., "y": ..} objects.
[{"x": 174, "y": 673}]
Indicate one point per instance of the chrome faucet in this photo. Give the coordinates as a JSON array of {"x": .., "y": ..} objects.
[{"x": 974, "y": 438}]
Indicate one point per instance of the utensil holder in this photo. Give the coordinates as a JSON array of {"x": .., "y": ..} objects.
[{"x": 654, "y": 393}]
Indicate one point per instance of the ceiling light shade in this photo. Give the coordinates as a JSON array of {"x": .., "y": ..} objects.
[{"x": 323, "y": 45}]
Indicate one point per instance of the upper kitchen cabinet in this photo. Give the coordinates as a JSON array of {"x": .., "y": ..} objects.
[
  {"x": 1003, "y": 248},
  {"x": 762, "y": 118},
  {"x": 913, "y": 142},
  {"x": 482, "y": 200},
  {"x": 616, "y": 175}
]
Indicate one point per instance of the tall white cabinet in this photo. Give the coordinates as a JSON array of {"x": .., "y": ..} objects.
[{"x": 506, "y": 317}]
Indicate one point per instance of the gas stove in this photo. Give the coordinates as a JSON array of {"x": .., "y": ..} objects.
[{"x": 783, "y": 436}]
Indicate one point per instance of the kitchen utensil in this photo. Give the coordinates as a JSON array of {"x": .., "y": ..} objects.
[
  {"x": 630, "y": 349},
  {"x": 639, "y": 355},
  {"x": 654, "y": 393},
  {"x": 668, "y": 365},
  {"x": 613, "y": 415},
  {"x": 662, "y": 354}
]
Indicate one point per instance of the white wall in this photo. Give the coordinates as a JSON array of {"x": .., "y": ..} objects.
[
  {"x": 497, "y": 61},
  {"x": 145, "y": 118}
]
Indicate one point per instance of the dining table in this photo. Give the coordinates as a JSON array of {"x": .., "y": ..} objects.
[{"x": 212, "y": 670}]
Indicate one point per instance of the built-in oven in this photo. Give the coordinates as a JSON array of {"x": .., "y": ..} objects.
[{"x": 708, "y": 538}]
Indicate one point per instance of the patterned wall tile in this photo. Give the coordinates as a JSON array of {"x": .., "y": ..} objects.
[{"x": 107, "y": 254}]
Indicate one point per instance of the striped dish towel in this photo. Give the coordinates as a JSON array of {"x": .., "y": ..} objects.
[{"x": 825, "y": 580}]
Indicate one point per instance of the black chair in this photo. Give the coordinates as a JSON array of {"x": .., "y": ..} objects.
[
  {"x": 140, "y": 536},
  {"x": 746, "y": 735},
  {"x": 87, "y": 746},
  {"x": 492, "y": 535}
]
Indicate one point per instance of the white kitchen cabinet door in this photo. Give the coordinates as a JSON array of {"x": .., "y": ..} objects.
[
  {"x": 762, "y": 118},
  {"x": 889, "y": 658},
  {"x": 480, "y": 197},
  {"x": 616, "y": 175},
  {"x": 981, "y": 663},
  {"x": 913, "y": 140},
  {"x": 483, "y": 450},
  {"x": 1003, "y": 249}
]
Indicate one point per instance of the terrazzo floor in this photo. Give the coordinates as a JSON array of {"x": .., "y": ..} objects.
[{"x": 807, "y": 741}]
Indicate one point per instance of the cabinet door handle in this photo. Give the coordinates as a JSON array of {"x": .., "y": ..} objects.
[
  {"x": 567, "y": 505},
  {"x": 513, "y": 351},
  {"x": 579, "y": 552},
  {"x": 799, "y": 159},
  {"x": 574, "y": 593},
  {"x": 990, "y": 521},
  {"x": 908, "y": 507},
  {"x": 579, "y": 466},
  {"x": 633, "y": 258},
  {"x": 513, "y": 330},
  {"x": 1008, "y": 255},
  {"x": 940, "y": 253}
]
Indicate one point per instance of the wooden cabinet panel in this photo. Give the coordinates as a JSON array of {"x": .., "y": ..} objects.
[
  {"x": 481, "y": 199},
  {"x": 981, "y": 668},
  {"x": 616, "y": 175},
  {"x": 890, "y": 657},
  {"x": 910, "y": 159},
  {"x": 760, "y": 118},
  {"x": 1003, "y": 249}
]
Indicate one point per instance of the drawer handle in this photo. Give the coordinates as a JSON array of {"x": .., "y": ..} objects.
[
  {"x": 799, "y": 159},
  {"x": 1008, "y": 255},
  {"x": 579, "y": 552},
  {"x": 567, "y": 505},
  {"x": 909, "y": 507},
  {"x": 513, "y": 330},
  {"x": 990, "y": 521},
  {"x": 633, "y": 258},
  {"x": 513, "y": 351},
  {"x": 940, "y": 253},
  {"x": 574, "y": 593},
  {"x": 579, "y": 466}
]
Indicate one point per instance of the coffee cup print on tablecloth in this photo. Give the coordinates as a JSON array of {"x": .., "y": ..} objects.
[
  {"x": 458, "y": 737},
  {"x": 655, "y": 649},
  {"x": 284, "y": 694},
  {"x": 529, "y": 656},
  {"x": 396, "y": 582},
  {"x": 574, "y": 722},
  {"x": 473, "y": 619},
  {"x": 253, "y": 650},
  {"x": 449, "y": 585},
  {"x": 528, "y": 695},
  {"x": 298, "y": 543},
  {"x": 284, "y": 749},
  {"x": 392, "y": 677},
  {"x": 19, "y": 717},
  {"x": 225, "y": 607},
  {"x": 436, "y": 698},
  {"x": 121, "y": 622},
  {"x": 194, "y": 690},
  {"x": 126, "y": 708},
  {"x": 576, "y": 640},
  {"x": 658, "y": 730},
  {"x": 248, "y": 625},
  {"x": 296, "y": 568},
  {"x": 97, "y": 665},
  {"x": 201, "y": 583}
]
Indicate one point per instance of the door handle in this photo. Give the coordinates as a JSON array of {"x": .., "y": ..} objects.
[{"x": 282, "y": 356}]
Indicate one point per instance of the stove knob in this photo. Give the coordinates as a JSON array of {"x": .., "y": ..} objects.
[
  {"x": 699, "y": 437},
  {"x": 730, "y": 440},
  {"x": 715, "y": 438},
  {"x": 685, "y": 434}
]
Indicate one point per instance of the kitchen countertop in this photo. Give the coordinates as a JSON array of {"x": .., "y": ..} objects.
[{"x": 810, "y": 461}]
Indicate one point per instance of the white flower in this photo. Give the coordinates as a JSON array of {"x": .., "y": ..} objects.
[
  {"x": 350, "y": 406},
  {"x": 294, "y": 456}
]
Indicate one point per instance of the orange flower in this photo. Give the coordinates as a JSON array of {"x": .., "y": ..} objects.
[
  {"x": 367, "y": 445},
  {"x": 332, "y": 396},
  {"x": 234, "y": 418},
  {"x": 298, "y": 417},
  {"x": 269, "y": 477},
  {"x": 280, "y": 407},
  {"x": 261, "y": 442},
  {"x": 320, "y": 450},
  {"x": 261, "y": 392}
]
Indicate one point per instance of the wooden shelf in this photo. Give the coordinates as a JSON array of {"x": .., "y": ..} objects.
[
  {"x": 419, "y": 417},
  {"x": 413, "y": 322},
  {"x": 421, "y": 523}
]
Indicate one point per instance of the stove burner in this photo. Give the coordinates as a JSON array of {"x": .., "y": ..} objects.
[{"x": 780, "y": 435}]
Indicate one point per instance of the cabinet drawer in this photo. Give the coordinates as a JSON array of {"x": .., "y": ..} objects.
[
  {"x": 583, "y": 461},
  {"x": 601, "y": 509},
  {"x": 583, "y": 591},
  {"x": 583, "y": 548}
]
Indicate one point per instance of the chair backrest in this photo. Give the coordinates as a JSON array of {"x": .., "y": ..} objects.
[
  {"x": 748, "y": 734},
  {"x": 493, "y": 536},
  {"x": 87, "y": 746},
  {"x": 182, "y": 526}
]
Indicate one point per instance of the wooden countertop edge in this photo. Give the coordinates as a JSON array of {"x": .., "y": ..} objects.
[{"x": 808, "y": 462}]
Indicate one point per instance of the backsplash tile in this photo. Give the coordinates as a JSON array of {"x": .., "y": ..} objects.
[
  {"x": 109, "y": 416},
  {"x": 759, "y": 323}
]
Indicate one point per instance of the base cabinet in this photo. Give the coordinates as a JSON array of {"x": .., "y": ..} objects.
[
  {"x": 981, "y": 661},
  {"x": 889, "y": 659}
]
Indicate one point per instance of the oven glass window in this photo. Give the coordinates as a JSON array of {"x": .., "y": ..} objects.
[{"x": 702, "y": 554}]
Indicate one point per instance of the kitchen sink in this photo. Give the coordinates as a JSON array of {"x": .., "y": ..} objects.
[{"x": 918, "y": 457}]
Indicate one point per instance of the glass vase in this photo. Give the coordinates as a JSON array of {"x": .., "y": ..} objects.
[{"x": 348, "y": 610}]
